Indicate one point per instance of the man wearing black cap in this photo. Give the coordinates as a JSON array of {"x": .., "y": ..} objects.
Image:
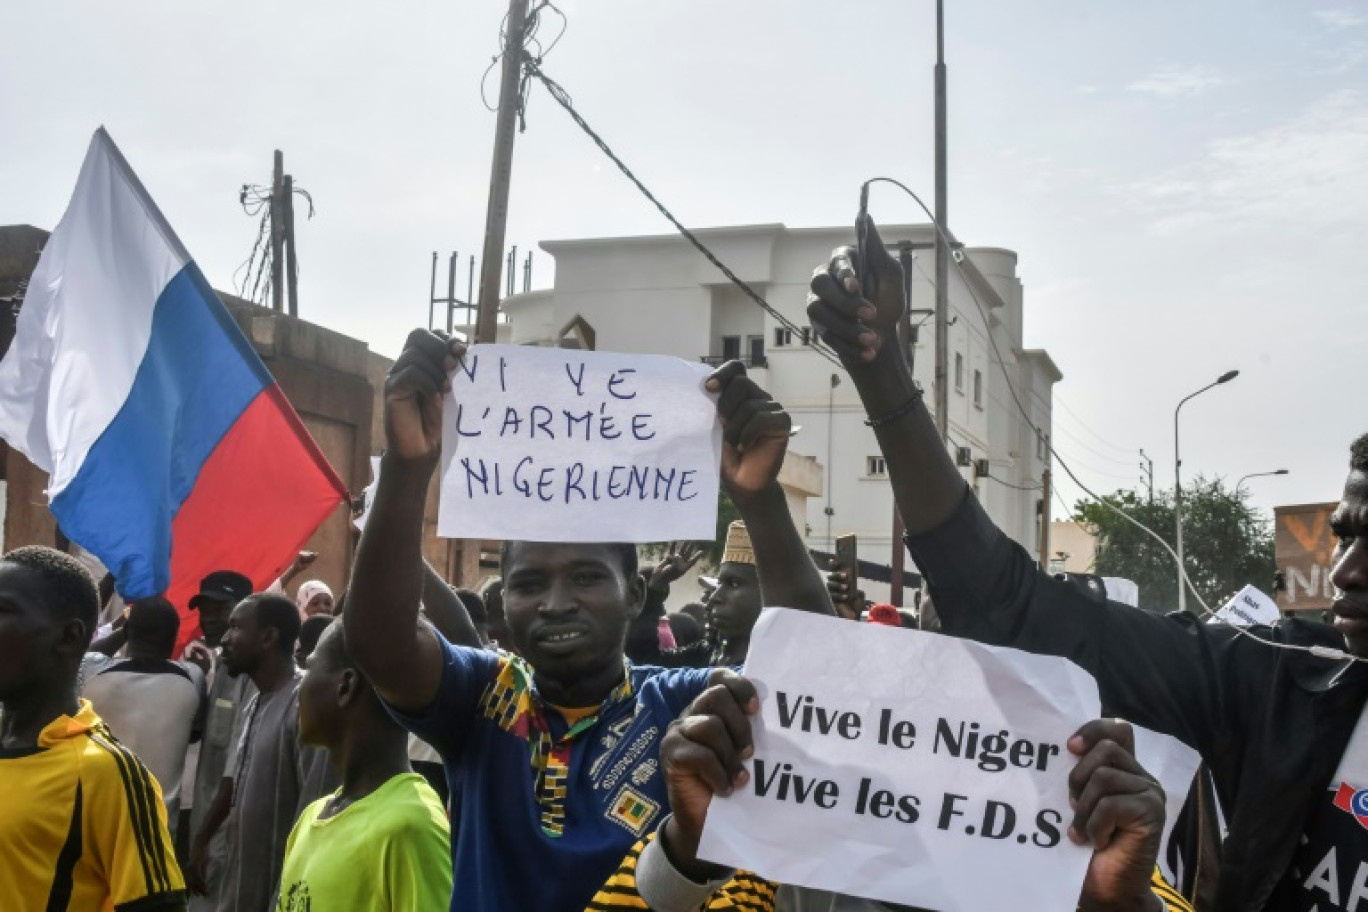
[{"x": 219, "y": 593}]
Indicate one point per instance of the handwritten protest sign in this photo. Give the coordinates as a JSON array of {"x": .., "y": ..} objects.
[
  {"x": 1249, "y": 608},
  {"x": 551, "y": 444},
  {"x": 907, "y": 767}
]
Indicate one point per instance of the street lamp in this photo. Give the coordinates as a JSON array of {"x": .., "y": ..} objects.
[
  {"x": 1178, "y": 484},
  {"x": 1244, "y": 478}
]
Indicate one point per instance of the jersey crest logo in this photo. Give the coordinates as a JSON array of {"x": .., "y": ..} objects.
[
  {"x": 1353, "y": 801},
  {"x": 633, "y": 811}
]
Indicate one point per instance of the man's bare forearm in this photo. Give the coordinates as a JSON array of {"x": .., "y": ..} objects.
[
  {"x": 447, "y": 612},
  {"x": 926, "y": 485},
  {"x": 386, "y": 589},
  {"x": 788, "y": 577}
]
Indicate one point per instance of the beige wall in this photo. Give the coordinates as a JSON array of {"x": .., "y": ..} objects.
[{"x": 1071, "y": 539}]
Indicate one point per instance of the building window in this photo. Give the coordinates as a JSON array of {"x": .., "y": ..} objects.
[
  {"x": 959, "y": 372},
  {"x": 876, "y": 467},
  {"x": 978, "y": 389},
  {"x": 807, "y": 335},
  {"x": 782, "y": 337},
  {"x": 731, "y": 348},
  {"x": 757, "y": 351}
]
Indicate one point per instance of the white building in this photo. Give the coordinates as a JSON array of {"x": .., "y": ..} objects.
[{"x": 657, "y": 295}]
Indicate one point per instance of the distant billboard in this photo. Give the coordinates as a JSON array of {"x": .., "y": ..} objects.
[{"x": 1304, "y": 546}]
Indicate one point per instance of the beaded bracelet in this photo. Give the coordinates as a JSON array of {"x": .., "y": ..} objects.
[{"x": 898, "y": 412}]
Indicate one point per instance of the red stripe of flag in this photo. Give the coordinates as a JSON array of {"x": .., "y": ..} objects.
[{"x": 259, "y": 497}]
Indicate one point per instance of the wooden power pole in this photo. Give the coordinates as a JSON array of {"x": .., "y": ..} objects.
[
  {"x": 501, "y": 174},
  {"x": 278, "y": 232},
  {"x": 291, "y": 264}
]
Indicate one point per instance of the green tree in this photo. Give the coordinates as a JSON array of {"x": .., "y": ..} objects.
[{"x": 1227, "y": 543}]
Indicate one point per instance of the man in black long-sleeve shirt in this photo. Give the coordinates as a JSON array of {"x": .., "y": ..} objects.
[{"x": 1280, "y": 728}]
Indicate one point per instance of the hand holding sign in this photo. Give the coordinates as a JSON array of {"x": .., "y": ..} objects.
[
  {"x": 755, "y": 431},
  {"x": 1119, "y": 809},
  {"x": 701, "y": 756},
  {"x": 937, "y": 759},
  {"x": 413, "y": 395}
]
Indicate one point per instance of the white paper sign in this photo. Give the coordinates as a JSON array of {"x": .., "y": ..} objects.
[
  {"x": 1174, "y": 765},
  {"x": 368, "y": 495},
  {"x": 1122, "y": 590},
  {"x": 1249, "y": 608},
  {"x": 552, "y": 444},
  {"x": 908, "y": 767}
]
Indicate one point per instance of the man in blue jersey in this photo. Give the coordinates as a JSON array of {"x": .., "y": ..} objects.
[{"x": 552, "y": 756}]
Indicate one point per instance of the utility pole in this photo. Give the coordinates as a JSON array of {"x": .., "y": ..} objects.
[
  {"x": 1147, "y": 474},
  {"x": 291, "y": 264},
  {"x": 1045, "y": 495},
  {"x": 501, "y": 174},
  {"x": 278, "y": 232},
  {"x": 942, "y": 243}
]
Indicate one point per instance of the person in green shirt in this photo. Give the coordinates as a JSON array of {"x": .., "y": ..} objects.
[{"x": 380, "y": 843}]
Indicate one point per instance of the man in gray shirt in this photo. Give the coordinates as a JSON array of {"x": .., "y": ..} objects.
[
  {"x": 270, "y": 777},
  {"x": 152, "y": 705},
  {"x": 228, "y": 695}
]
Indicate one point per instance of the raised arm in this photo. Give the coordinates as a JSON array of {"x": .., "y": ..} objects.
[
  {"x": 1165, "y": 673},
  {"x": 448, "y": 613},
  {"x": 755, "y": 438},
  {"x": 402, "y": 658},
  {"x": 860, "y": 324}
]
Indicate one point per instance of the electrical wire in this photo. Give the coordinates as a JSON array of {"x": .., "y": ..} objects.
[
  {"x": 1323, "y": 652},
  {"x": 530, "y": 39},
  {"x": 256, "y": 201},
  {"x": 1068, "y": 510},
  {"x": 532, "y": 69},
  {"x": 1060, "y": 429},
  {"x": 1085, "y": 426},
  {"x": 1015, "y": 487}
]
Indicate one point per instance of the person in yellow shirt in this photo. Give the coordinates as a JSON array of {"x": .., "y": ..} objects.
[
  {"x": 82, "y": 824},
  {"x": 381, "y": 842}
]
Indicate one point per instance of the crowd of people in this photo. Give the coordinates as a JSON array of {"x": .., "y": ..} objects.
[{"x": 554, "y": 741}]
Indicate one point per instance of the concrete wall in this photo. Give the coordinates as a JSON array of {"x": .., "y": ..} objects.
[{"x": 1073, "y": 549}]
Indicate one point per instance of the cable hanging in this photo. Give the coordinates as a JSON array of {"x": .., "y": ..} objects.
[
  {"x": 532, "y": 70},
  {"x": 256, "y": 201}
]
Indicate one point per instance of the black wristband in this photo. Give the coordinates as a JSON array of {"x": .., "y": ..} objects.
[{"x": 911, "y": 403}]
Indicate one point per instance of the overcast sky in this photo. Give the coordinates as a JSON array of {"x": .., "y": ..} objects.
[{"x": 1186, "y": 184}]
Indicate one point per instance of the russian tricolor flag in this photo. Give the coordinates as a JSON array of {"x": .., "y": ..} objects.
[{"x": 170, "y": 449}]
